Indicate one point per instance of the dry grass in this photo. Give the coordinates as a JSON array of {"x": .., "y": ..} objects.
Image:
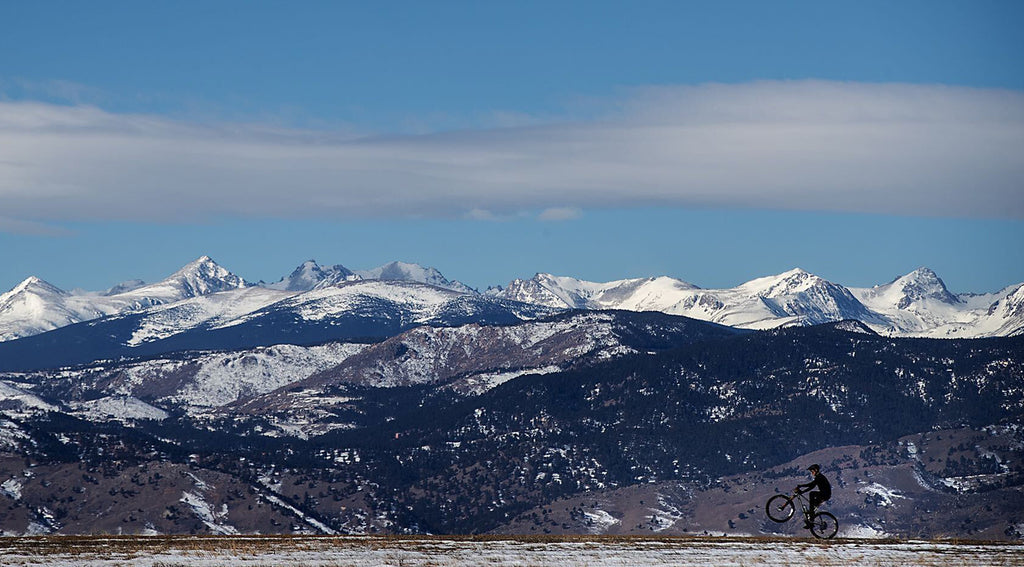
[{"x": 449, "y": 551}]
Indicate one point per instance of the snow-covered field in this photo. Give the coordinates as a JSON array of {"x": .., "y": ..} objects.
[{"x": 255, "y": 551}]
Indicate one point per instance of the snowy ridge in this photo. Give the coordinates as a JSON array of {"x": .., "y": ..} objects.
[
  {"x": 215, "y": 310},
  {"x": 196, "y": 383},
  {"x": 310, "y": 275},
  {"x": 641, "y": 294},
  {"x": 35, "y": 306},
  {"x": 202, "y": 293},
  {"x": 427, "y": 354},
  {"x": 405, "y": 272},
  {"x": 917, "y": 304},
  {"x": 226, "y": 378},
  {"x": 117, "y": 408}
]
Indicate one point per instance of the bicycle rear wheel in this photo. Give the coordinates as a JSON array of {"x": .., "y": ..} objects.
[
  {"x": 824, "y": 525},
  {"x": 779, "y": 508}
]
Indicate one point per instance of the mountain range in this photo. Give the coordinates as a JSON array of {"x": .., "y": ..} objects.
[
  {"x": 396, "y": 400},
  {"x": 577, "y": 422},
  {"x": 204, "y": 294}
]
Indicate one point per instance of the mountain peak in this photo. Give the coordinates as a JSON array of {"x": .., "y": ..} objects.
[
  {"x": 922, "y": 284},
  {"x": 34, "y": 285},
  {"x": 125, "y": 286},
  {"x": 309, "y": 275},
  {"x": 786, "y": 283},
  {"x": 203, "y": 276},
  {"x": 922, "y": 274},
  {"x": 406, "y": 272}
]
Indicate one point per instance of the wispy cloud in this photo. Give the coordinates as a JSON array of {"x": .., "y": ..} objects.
[
  {"x": 806, "y": 145},
  {"x": 560, "y": 214}
]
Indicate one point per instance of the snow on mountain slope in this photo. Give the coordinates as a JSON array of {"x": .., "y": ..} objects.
[
  {"x": 1007, "y": 313},
  {"x": 14, "y": 398},
  {"x": 35, "y": 306},
  {"x": 640, "y": 294},
  {"x": 116, "y": 408},
  {"x": 358, "y": 298},
  {"x": 918, "y": 304},
  {"x": 200, "y": 277},
  {"x": 216, "y": 310},
  {"x": 914, "y": 303},
  {"x": 256, "y": 316},
  {"x": 225, "y": 378},
  {"x": 466, "y": 360},
  {"x": 393, "y": 305},
  {"x": 402, "y": 271},
  {"x": 431, "y": 354},
  {"x": 310, "y": 275},
  {"x": 916, "y": 288},
  {"x": 794, "y": 297},
  {"x": 195, "y": 382},
  {"x": 203, "y": 293}
]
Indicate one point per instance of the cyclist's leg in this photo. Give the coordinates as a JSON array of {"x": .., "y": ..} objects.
[{"x": 814, "y": 498}]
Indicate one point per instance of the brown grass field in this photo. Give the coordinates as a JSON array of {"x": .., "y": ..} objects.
[{"x": 457, "y": 551}]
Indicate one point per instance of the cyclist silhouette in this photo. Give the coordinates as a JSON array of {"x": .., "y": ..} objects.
[{"x": 822, "y": 490}]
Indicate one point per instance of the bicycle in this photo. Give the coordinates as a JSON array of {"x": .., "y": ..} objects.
[{"x": 781, "y": 507}]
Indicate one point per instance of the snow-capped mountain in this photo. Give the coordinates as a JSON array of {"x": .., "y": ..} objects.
[
  {"x": 35, "y": 306},
  {"x": 918, "y": 304},
  {"x": 200, "y": 277},
  {"x": 310, "y": 275},
  {"x": 205, "y": 296},
  {"x": 405, "y": 272},
  {"x": 255, "y": 316},
  {"x": 918, "y": 288},
  {"x": 794, "y": 297},
  {"x": 639, "y": 294}
]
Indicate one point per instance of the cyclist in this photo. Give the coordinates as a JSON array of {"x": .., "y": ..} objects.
[{"x": 822, "y": 491}]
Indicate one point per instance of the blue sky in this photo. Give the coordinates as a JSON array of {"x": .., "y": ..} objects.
[{"x": 714, "y": 142}]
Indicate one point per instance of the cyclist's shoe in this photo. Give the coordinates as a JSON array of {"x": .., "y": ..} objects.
[{"x": 807, "y": 524}]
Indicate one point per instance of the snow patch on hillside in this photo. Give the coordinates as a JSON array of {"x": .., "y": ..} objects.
[
  {"x": 117, "y": 408},
  {"x": 884, "y": 496},
  {"x": 224, "y": 378},
  {"x": 11, "y": 488},
  {"x": 479, "y": 383},
  {"x": 14, "y": 398},
  {"x": 213, "y": 519}
]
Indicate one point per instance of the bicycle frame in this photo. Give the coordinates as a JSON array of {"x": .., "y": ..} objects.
[{"x": 805, "y": 503}]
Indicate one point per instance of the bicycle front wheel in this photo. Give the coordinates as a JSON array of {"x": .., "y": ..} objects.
[
  {"x": 779, "y": 508},
  {"x": 824, "y": 525}
]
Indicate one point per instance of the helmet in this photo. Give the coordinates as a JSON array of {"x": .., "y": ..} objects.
[{"x": 815, "y": 467}]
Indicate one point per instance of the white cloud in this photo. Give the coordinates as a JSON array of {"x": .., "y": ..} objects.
[
  {"x": 806, "y": 145},
  {"x": 560, "y": 214}
]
